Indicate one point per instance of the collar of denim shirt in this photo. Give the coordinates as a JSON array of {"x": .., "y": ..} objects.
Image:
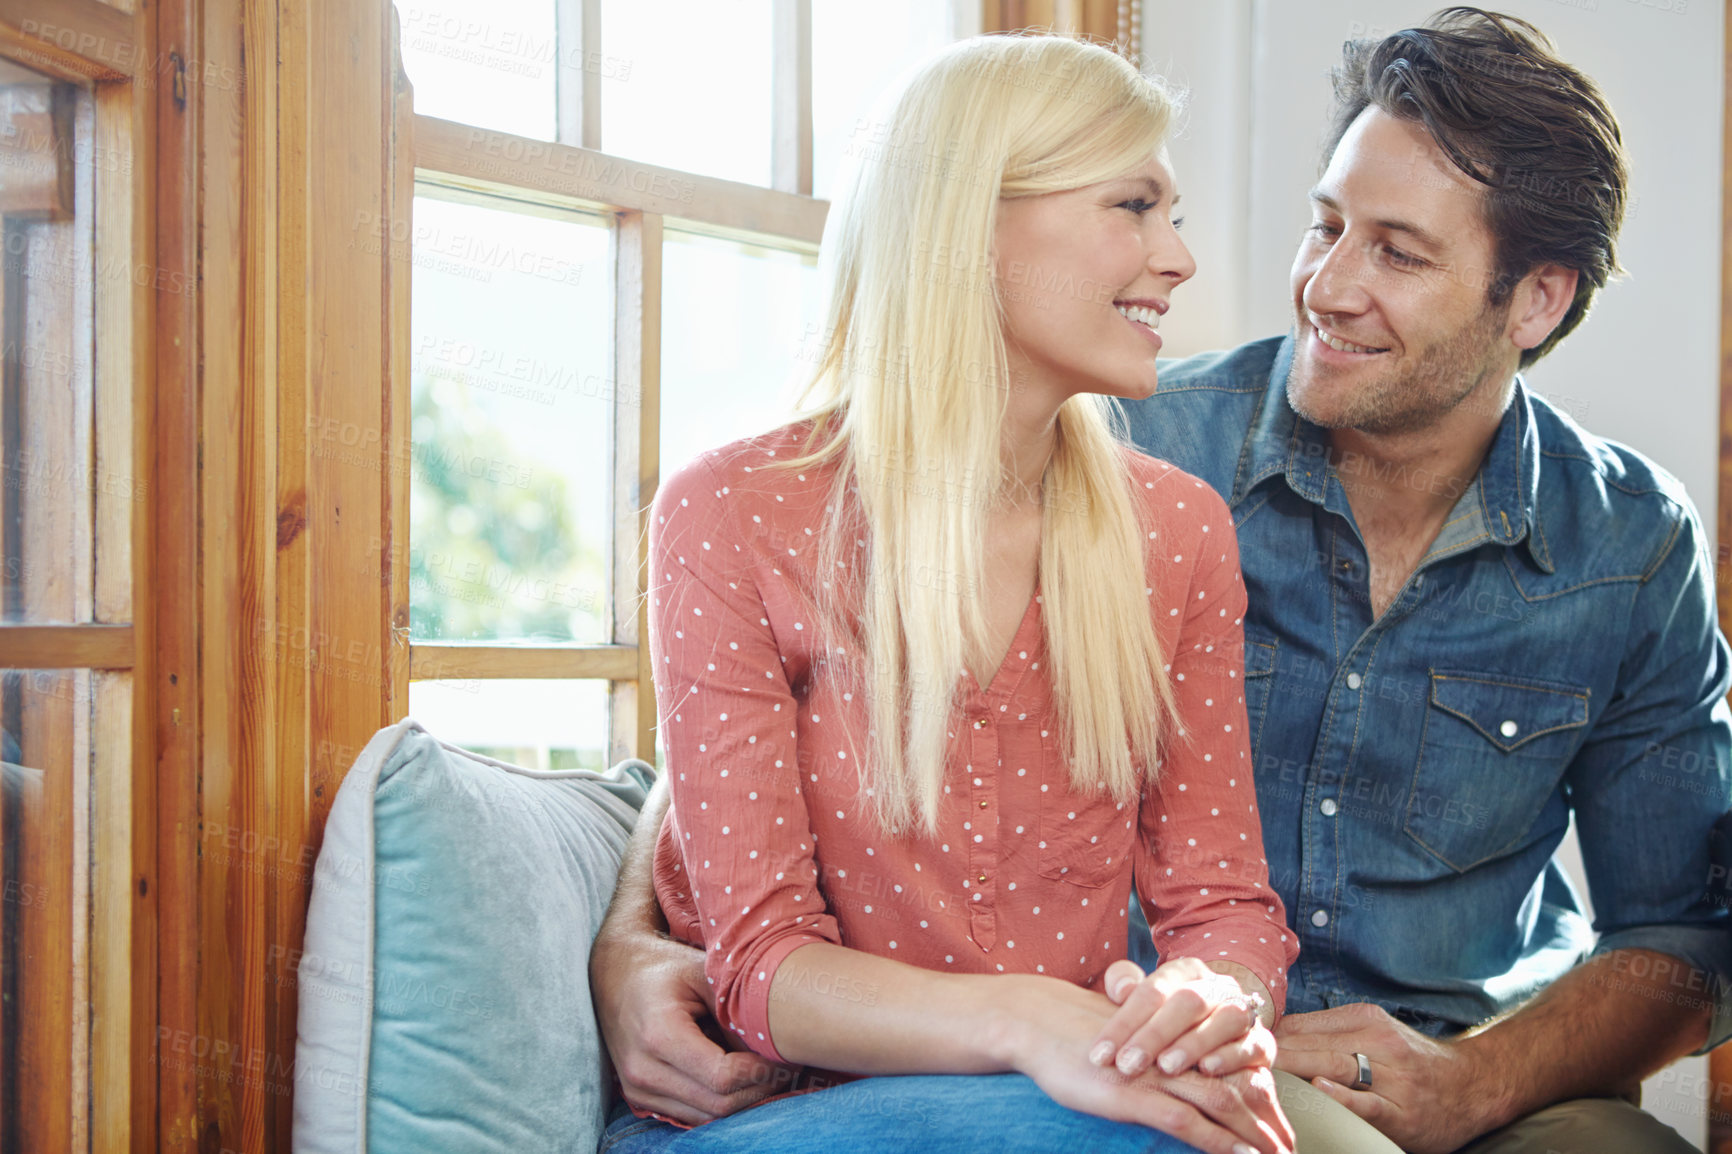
[{"x": 1506, "y": 488}]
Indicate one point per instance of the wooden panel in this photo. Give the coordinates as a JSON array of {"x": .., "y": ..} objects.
[
  {"x": 165, "y": 1107},
  {"x": 636, "y": 458},
  {"x": 66, "y": 646},
  {"x": 236, "y": 667},
  {"x": 1723, "y": 570},
  {"x": 122, "y": 989},
  {"x": 1014, "y": 15},
  {"x": 1109, "y": 21},
  {"x": 502, "y": 164},
  {"x": 120, "y": 314},
  {"x": 791, "y": 96},
  {"x": 274, "y": 557},
  {"x": 38, "y": 798},
  {"x": 349, "y": 314},
  {"x": 1720, "y": 1061},
  {"x": 77, "y": 822},
  {"x": 399, "y": 272},
  {"x": 302, "y": 328},
  {"x": 74, "y": 38},
  {"x": 123, "y": 992},
  {"x": 460, "y": 662}
]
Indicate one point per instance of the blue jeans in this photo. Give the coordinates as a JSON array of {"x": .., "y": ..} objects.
[{"x": 956, "y": 1113}]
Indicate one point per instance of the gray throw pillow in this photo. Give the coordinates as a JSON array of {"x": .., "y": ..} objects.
[{"x": 444, "y": 983}]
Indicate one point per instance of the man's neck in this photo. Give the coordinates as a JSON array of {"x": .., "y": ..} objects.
[{"x": 1414, "y": 478}]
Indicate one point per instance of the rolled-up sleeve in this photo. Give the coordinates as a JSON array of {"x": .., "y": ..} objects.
[
  {"x": 1204, "y": 872},
  {"x": 727, "y": 726},
  {"x": 1653, "y": 784}
]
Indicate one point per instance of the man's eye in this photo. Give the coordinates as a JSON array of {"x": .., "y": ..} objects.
[
  {"x": 1402, "y": 259},
  {"x": 1327, "y": 231}
]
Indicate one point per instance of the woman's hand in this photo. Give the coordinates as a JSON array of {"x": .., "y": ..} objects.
[
  {"x": 1183, "y": 1015},
  {"x": 1052, "y": 1022}
]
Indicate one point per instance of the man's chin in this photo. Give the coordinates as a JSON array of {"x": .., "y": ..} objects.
[{"x": 1324, "y": 407}]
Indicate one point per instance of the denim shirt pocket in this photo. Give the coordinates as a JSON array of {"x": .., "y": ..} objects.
[
  {"x": 1260, "y": 653},
  {"x": 1494, "y": 749}
]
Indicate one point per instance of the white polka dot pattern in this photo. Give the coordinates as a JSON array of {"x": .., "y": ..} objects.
[{"x": 769, "y": 818}]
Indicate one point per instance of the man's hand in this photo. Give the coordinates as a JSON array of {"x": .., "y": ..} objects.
[
  {"x": 1426, "y": 1096},
  {"x": 650, "y": 994}
]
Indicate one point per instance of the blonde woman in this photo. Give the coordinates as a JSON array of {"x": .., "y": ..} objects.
[{"x": 942, "y": 665}]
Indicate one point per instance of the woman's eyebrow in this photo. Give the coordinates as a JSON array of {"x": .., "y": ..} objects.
[{"x": 1155, "y": 187}]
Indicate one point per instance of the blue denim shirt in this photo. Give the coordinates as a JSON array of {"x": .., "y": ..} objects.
[{"x": 1555, "y": 651}]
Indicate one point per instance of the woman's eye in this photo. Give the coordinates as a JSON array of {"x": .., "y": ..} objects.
[
  {"x": 1138, "y": 206},
  {"x": 1178, "y": 224}
]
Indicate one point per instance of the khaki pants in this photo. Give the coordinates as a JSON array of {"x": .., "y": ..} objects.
[{"x": 1583, "y": 1126}]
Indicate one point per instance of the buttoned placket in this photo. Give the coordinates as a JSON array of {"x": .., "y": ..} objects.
[
  {"x": 1345, "y": 718},
  {"x": 980, "y": 820}
]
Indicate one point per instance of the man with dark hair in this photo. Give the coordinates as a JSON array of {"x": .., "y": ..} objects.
[{"x": 1470, "y": 620}]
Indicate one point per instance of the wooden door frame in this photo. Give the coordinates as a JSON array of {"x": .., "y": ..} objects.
[{"x": 1720, "y": 1061}]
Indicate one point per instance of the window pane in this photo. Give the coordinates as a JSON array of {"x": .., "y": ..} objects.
[
  {"x": 698, "y": 97},
  {"x": 511, "y": 403},
  {"x": 48, "y": 464},
  {"x": 739, "y": 328},
  {"x": 537, "y": 724},
  {"x": 858, "y": 51},
  {"x": 490, "y": 63}
]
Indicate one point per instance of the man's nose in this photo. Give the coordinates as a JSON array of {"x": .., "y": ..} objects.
[{"x": 1338, "y": 282}]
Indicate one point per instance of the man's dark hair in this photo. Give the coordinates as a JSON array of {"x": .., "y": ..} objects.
[{"x": 1534, "y": 131}]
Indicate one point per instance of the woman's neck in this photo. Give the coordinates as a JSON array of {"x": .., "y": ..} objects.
[{"x": 1026, "y": 446}]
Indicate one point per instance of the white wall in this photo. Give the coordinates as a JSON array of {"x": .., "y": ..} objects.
[{"x": 1643, "y": 369}]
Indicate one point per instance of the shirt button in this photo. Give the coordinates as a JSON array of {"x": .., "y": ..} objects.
[
  {"x": 980, "y": 723},
  {"x": 1354, "y": 681},
  {"x": 1509, "y": 729},
  {"x": 1328, "y": 807},
  {"x": 983, "y": 805},
  {"x": 982, "y": 877},
  {"x": 1320, "y": 919}
]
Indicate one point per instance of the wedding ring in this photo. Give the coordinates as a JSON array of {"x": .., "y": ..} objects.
[{"x": 1364, "y": 1080}]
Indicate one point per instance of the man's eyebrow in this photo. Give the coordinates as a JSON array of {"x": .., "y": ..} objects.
[{"x": 1425, "y": 237}]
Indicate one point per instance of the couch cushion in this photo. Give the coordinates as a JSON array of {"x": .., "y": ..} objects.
[{"x": 444, "y": 983}]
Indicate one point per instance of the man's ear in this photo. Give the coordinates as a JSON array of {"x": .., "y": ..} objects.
[{"x": 1539, "y": 304}]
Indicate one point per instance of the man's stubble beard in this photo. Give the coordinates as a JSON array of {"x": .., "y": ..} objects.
[{"x": 1443, "y": 376}]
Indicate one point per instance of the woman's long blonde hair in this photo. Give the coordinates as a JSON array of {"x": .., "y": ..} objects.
[{"x": 910, "y": 395}]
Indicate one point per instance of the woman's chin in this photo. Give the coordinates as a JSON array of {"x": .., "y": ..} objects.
[{"x": 1139, "y": 390}]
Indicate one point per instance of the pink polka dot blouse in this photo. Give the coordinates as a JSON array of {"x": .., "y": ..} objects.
[{"x": 767, "y": 846}]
